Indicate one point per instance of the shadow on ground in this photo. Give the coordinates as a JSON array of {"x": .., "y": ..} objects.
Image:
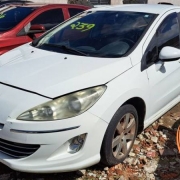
[{"x": 169, "y": 163}]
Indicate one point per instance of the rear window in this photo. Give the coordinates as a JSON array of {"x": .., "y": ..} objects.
[
  {"x": 74, "y": 11},
  {"x": 12, "y": 16},
  {"x": 49, "y": 18}
]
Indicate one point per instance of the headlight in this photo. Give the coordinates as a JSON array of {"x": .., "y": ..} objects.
[{"x": 64, "y": 107}]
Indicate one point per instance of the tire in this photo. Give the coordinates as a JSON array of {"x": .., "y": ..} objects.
[{"x": 119, "y": 136}]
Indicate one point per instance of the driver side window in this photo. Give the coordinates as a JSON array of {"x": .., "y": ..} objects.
[
  {"x": 49, "y": 18},
  {"x": 166, "y": 35},
  {"x": 168, "y": 32}
]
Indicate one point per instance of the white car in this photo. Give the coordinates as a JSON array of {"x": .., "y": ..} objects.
[{"x": 79, "y": 94}]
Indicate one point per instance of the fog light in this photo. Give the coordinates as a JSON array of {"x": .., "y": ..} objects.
[{"x": 76, "y": 143}]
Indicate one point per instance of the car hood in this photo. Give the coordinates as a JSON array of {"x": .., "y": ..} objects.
[{"x": 54, "y": 74}]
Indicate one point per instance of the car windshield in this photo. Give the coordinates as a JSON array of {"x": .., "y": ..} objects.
[
  {"x": 100, "y": 33},
  {"x": 12, "y": 15}
]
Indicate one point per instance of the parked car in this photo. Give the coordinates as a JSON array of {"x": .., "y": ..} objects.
[
  {"x": 9, "y": 2},
  {"x": 79, "y": 94},
  {"x": 20, "y": 24}
]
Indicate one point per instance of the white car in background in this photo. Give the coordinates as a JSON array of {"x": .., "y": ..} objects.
[{"x": 79, "y": 94}]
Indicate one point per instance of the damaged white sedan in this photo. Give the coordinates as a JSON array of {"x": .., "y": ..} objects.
[{"x": 79, "y": 94}]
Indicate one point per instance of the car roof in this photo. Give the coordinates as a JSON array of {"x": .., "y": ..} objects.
[{"x": 147, "y": 8}]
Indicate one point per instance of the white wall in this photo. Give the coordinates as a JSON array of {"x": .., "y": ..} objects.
[{"x": 113, "y": 2}]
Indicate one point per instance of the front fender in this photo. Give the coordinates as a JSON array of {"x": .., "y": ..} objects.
[{"x": 132, "y": 83}]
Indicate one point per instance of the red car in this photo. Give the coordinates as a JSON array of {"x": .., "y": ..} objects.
[{"x": 20, "y": 24}]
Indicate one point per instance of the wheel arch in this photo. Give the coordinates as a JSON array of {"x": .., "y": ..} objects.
[{"x": 140, "y": 106}]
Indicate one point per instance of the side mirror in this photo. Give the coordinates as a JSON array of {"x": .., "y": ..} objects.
[
  {"x": 169, "y": 54},
  {"x": 36, "y": 28}
]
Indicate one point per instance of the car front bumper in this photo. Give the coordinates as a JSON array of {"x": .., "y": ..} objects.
[
  {"x": 52, "y": 137},
  {"x": 53, "y": 155}
]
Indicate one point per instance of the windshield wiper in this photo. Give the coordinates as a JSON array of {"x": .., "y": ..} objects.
[{"x": 67, "y": 48}]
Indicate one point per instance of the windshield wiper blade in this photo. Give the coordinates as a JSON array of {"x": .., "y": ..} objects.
[{"x": 66, "y": 48}]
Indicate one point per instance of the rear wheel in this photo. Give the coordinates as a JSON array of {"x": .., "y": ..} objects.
[{"x": 119, "y": 136}]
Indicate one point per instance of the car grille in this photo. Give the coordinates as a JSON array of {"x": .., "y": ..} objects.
[{"x": 17, "y": 150}]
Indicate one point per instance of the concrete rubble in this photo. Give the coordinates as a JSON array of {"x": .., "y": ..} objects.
[{"x": 154, "y": 156}]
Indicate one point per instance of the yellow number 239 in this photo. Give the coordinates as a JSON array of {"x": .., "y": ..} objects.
[{"x": 82, "y": 26}]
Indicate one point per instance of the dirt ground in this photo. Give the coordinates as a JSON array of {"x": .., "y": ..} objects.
[{"x": 154, "y": 157}]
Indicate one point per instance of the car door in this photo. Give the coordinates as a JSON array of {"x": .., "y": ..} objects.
[{"x": 164, "y": 84}]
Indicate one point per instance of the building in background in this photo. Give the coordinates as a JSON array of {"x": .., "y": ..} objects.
[
  {"x": 94, "y": 2},
  {"x": 114, "y": 2}
]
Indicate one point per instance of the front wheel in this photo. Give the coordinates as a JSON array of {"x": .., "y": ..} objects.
[{"x": 119, "y": 136}]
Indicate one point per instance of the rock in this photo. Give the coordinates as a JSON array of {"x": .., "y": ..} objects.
[
  {"x": 161, "y": 151},
  {"x": 92, "y": 174},
  {"x": 169, "y": 175},
  {"x": 81, "y": 172},
  {"x": 136, "y": 148},
  {"x": 154, "y": 139},
  {"x": 103, "y": 173},
  {"x": 4, "y": 176},
  {"x": 143, "y": 159},
  {"x": 172, "y": 163},
  {"x": 135, "y": 162},
  {"x": 155, "y": 125},
  {"x": 147, "y": 135},
  {"x": 161, "y": 121},
  {"x": 122, "y": 178},
  {"x": 106, "y": 168},
  {"x": 175, "y": 150},
  {"x": 165, "y": 131},
  {"x": 141, "y": 137},
  {"x": 118, "y": 166},
  {"x": 132, "y": 154},
  {"x": 162, "y": 139},
  {"x": 167, "y": 152},
  {"x": 110, "y": 178},
  {"x": 177, "y": 160},
  {"x": 102, "y": 178},
  {"x": 149, "y": 169},
  {"x": 151, "y": 154},
  {"x": 129, "y": 160},
  {"x": 136, "y": 142},
  {"x": 151, "y": 176},
  {"x": 159, "y": 146},
  {"x": 140, "y": 166}
]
